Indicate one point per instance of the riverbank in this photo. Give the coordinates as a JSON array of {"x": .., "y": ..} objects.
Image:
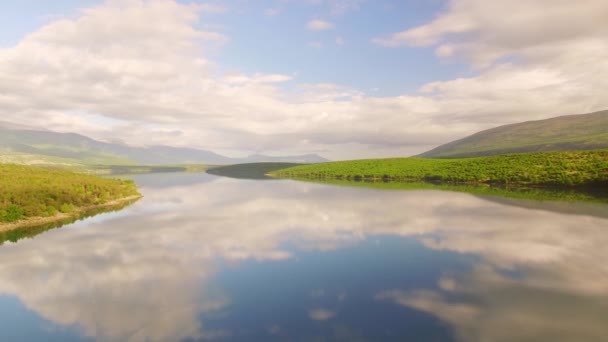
[
  {"x": 32, "y": 196},
  {"x": 565, "y": 169},
  {"x": 60, "y": 217}
]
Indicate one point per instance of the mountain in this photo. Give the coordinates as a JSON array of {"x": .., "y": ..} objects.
[
  {"x": 249, "y": 170},
  {"x": 10, "y": 125},
  {"x": 571, "y": 132},
  {"x": 302, "y": 159},
  {"x": 75, "y": 148}
]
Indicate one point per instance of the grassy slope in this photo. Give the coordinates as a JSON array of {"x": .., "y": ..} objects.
[
  {"x": 33, "y": 192},
  {"x": 249, "y": 171},
  {"x": 544, "y": 168},
  {"x": 572, "y": 132}
]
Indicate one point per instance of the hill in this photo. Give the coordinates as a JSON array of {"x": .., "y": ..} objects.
[
  {"x": 249, "y": 171},
  {"x": 564, "y": 133},
  {"x": 23, "y": 145},
  {"x": 573, "y": 168}
]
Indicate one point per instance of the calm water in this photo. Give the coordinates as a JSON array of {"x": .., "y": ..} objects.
[{"x": 207, "y": 258}]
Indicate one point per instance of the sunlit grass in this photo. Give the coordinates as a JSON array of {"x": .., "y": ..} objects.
[{"x": 572, "y": 168}]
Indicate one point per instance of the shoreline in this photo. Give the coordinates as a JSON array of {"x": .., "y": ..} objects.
[
  {"x": 40, "y": 220},
  {"x": 436, "y": 181}
]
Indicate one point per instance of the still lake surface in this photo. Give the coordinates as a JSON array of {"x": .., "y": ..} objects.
[{"x": 207, "y": 258}]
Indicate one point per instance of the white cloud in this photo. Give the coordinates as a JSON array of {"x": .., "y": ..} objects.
[
  {"x": 319, "y": 25},
  {"x": 480, "y": 30},
  {"x": 149, "y": 81}
]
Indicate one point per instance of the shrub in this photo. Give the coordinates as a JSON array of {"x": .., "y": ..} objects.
[
  {"x": 11, "y": 214},
  {"x": 66, "y": 208}
]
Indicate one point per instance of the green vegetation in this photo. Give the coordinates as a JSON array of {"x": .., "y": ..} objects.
[
  {"x": 249, "y": 171},
  {"x": 565, "y": 133},
  {"x": 29, "y": 192},
  {"x": 577, "y": 168}
]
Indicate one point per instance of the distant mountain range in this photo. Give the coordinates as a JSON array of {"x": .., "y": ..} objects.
[
  {"x": 71, "y": 147},
  {"x": 571, "y": 132}
]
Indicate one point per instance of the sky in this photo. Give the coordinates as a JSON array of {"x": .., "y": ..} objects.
[{"x": 346, "y": 79}]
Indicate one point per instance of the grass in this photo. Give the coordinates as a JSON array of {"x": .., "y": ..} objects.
[
  {"x": 29, "y": 192},
  {"x": 572, "y": 168}
]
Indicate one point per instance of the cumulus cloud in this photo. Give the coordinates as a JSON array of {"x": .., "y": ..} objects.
[
  {"x": 319, "y": 25},
  {"x": 145, "y": 82},
  {"x": 480, "y": 29}
]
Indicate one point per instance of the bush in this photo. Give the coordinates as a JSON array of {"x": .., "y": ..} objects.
[
  {"x": 66, "y": 208},
  {"x": 11, "y": 214},
  {"x": 31, "y": 192}
]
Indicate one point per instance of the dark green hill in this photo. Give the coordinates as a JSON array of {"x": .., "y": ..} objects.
[
  {"x": 249, "y": 171},
  {"x": 564, "y": 133}
]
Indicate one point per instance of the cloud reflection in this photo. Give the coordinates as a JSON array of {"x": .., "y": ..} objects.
[{"x": 148, "y": 275}]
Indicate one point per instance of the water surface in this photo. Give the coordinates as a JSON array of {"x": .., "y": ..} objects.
[{"x": 207, "y": 258}]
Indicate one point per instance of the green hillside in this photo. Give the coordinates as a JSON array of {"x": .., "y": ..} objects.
[
  {"x": 29, "y": 192},
  {"x": 575, "y": 168},
  {"x": 564, "y": 133}
]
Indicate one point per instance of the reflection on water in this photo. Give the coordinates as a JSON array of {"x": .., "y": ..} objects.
[
  {"x": 205, "y": 258},
  {"x": 32, "y": 231}
]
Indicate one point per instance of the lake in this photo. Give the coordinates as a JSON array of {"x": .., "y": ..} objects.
[{"x": 203, "y": 258}]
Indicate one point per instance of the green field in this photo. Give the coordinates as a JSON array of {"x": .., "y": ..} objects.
[
  {"x": 28, "y": 192},
  {"x": 574, "y": 168}
]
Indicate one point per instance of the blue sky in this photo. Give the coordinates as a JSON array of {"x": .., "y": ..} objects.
[
  {"x": 22, "y": 17},
  {"x": 344, "y": 78},
  {"x": 280, "y": 43}
]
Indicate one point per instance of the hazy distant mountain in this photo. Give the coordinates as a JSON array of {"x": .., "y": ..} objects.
[
  {"x": 88, "y": 151},
  {"x": 571, "y": 132},
  {"x": 10, "y": 125},
  {"x": 305, "y": 159}
]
